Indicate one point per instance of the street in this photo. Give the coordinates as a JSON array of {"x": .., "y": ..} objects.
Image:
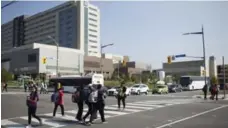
[{"x": 175, "y": 110}]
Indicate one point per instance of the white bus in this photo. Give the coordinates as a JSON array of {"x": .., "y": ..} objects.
[
  {"x": 192, "y": 82},
  {"x": 70, "y": 82}
]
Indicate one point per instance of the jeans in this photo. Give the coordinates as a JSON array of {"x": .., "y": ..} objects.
[
  {"x": 90, "y": 112},
  {"x": 80, "y": 111},
  {"x": 121, "y": 99},
  {"x": 56, "y": 106},
  {"x": 32, "y": 112}
]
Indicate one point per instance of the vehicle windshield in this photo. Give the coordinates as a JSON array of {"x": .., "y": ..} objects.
[
  {"x": 172, "y": 86},
  {"x": 136, "y": 86},
  {"x": 116, "y": 87},
  {"x": 160, "y": 86},
  {"x": 185, "y": 81}
]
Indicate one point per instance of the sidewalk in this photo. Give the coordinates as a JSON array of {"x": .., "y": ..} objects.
[{"x": 220, "y": 96}]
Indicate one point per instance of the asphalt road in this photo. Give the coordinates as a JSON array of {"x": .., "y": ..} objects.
[{"x": 175, "y": 110}]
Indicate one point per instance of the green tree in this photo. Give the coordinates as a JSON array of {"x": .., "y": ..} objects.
[
  {"x": 6, "y": 76},
  {"x": 176, "y": 78}
]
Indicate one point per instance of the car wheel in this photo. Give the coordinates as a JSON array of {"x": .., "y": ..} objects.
[
  {"x": 146, "y": 92},
  {"x": 138, "y": 93}
]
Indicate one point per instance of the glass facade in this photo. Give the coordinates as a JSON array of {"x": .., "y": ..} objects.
[{"x": 67, "y": 27}]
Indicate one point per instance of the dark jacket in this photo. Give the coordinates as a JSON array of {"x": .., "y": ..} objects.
[{"x": 101, "y": 96}]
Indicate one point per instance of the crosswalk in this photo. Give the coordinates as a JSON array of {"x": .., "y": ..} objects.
[{"x": 110, "y": 111}]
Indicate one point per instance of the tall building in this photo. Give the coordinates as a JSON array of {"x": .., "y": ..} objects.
[
  {"x": 73, "y": 24},
  {"x": 220, "y": 72},
  {"x": 212, "y": 66}
]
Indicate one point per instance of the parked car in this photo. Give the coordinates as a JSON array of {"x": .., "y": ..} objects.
[
  {"x": 160, "y": 89},
  {"x": 140, "y": 89},
  {"x": 114, "y": 91},
  {"x": 175, "y": 88}
]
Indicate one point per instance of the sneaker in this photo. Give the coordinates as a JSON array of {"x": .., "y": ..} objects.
[
  {"x": 29, "y": 126},
  {"x": 104, "y": 122}
]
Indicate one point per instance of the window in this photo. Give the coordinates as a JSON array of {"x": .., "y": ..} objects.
[
  {"x": 92, "y": 35},
  {"x": 93, "y": 14},
  {"x": 92, "y": 30},
  {"x": 92, "y": 19},
  {"x": 93, "y": 46},
  {"x": 32, "y": 58},
  {"x": 93, "y": 9},
  {"x": 93, "y": 41},
  {"x": 93, "y": 25}
]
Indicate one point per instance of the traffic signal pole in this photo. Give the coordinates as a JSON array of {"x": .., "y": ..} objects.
[{"x": 224, "y": 77}]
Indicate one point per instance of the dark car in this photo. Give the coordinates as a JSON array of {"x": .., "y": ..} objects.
[{"x": 175, "y": 88}]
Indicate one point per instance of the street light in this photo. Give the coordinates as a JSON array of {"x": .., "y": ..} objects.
[
  {"x": 103, "y": 46},
  {"x": 57, "y": 54},
  {"x": 204, "y": 52}
]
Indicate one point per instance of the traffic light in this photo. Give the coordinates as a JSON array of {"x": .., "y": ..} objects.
[
  {"x": 124, "y": 63},
  {"x": 44, "y": 60},
  {"x": 169, "y": 59}
]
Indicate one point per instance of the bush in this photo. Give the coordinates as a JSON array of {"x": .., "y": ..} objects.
[
  {"x": 111, "y": 83},
  {"x": 6, "y": 76}
]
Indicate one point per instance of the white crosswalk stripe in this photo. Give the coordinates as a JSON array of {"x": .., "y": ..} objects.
[{"x": 110, "y": 111}]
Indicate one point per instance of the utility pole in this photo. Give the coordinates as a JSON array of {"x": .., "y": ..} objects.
[
  {"x": 224, "y": 78},
  {"x": 118, "y": 69}
]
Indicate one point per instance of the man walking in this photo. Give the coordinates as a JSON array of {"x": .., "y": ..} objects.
[
  {"x": 100, "y": 105},
  {"x": 59, "y": 100}
]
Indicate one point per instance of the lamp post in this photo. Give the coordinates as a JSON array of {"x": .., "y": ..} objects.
[
  {"x": 102, "y": 47},
  {"x": 57, "y": 54},
  {"x": 204, "y": 52}
]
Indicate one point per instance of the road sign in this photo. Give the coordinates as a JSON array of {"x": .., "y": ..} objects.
[{"x": 181, "y": 55}]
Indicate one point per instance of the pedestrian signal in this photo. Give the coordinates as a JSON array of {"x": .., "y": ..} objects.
[
  {"x": 169, "y": 59},
  {"x": 44, "y": 60}
]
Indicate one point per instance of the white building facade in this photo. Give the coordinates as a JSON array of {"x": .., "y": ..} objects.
[
  {"x": 27, "y": 59},
  {"x": 73, "y": 24}
]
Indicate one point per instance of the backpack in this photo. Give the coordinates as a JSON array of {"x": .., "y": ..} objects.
[
  {"x": 93, "y": 96},
  {"x": 75, "y": 97},
  {"x": 215, "y": 89},
  {"x": 55, "y": 97}
]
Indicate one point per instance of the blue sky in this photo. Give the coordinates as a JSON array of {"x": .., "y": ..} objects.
[{"x": 150, "y": 31}]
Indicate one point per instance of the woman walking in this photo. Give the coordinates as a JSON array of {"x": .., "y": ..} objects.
[{"x": 32, "y": 100}]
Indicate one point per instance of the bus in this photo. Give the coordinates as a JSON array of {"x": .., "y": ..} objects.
[
  {"x": 70, "y": 82},
  {"x": 193, "y": 82}
]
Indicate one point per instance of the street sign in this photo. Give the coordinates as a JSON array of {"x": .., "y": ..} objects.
[{"x": 181, "y": 55}]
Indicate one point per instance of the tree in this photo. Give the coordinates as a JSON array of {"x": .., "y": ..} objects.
[
  {"x": 176, "y": 78},
  {"x": 6, "y": 76},
  {"x": 214, "y": 80}
]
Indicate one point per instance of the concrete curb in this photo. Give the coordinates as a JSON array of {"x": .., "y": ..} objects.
[{"x": 208, "y": 96}]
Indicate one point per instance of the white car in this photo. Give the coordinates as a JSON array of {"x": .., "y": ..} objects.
[
  {"x": 139, "y": 89},
  {"x": 114, "y": 91}
]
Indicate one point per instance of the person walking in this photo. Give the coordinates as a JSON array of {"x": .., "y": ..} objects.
[
  {"x": 91, "y": 102},
  {"x": 32, "y": 100},
  {"x": 4, "y": 86},
  {"x": 80, "y": 102},
  {"x": 59, "y": 100},
  {"x": 42, "y": 88},
  {"x": 100, "y": 105},
  {"x": 205, "y": 91},
  {"x": 121, "y": 96}
]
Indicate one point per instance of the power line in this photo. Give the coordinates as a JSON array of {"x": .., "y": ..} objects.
[{"x": 8, "y": 4}]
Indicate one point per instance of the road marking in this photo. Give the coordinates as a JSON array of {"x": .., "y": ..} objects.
[
  {"x": 110, "y": 112},
  {"x": 146, "y": 105},
  {"x": 46, "y": 122},
  {"x": 137, "y": 107},
  {"x": 8, "y": 122},
  {"x": 126, "y": 109},
  {"x": 190, "y": 117}
]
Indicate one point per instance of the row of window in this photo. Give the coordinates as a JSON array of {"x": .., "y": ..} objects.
[
  {"x": 92, "y": 30},
  {"x": 93, "y": 35},
  {"x": 35, "y": 23},
  {"x": 93, "y": 41},
  {"x": 93, "y": 19},
  {"x": 93, "y": 9},
  {"x": 39, "y": 27},
  {"x": 93, "y": 14},
  {"x": 92, "y": 25}
]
